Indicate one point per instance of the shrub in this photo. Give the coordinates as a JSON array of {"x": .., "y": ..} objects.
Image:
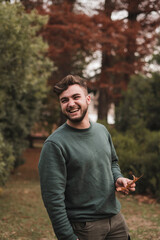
[
  {"x": 24, "y": 71},
  {"x": 6, "y": 160},
  {"x": 138, "y": 151},
  {"x": 140, "y": 102}
]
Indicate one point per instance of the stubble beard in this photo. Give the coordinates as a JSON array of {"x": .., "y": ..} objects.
[{"x": 78, "y": 119}]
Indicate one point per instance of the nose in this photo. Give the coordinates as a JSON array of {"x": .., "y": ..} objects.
[{"x": 71, "y": 103}]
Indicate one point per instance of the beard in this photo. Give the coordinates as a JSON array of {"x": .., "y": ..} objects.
[{"x": 78, "y": 119}]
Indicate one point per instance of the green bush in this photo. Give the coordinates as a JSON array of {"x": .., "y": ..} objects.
[
  {"x": 6, "y": 160},
  {"x": 24, "y": 71},
  {"x": 151, "y": 163},
  {"x": 138, "y": 150},
  {"x": 140, "y": 102}
]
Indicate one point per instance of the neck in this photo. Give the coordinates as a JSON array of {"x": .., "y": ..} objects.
[{"x": 85, "y": 123}]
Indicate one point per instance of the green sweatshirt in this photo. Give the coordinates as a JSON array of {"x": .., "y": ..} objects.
[{"x": 78, "y": 169}]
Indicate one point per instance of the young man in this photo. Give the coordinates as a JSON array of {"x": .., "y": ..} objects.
[{"x": 79, "y": 172}]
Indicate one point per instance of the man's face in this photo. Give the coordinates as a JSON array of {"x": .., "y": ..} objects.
[{"x": 74, "y": 103}]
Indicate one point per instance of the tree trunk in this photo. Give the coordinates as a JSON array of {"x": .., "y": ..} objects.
[
  {"x": 131, "y": 41},
  {"x": 103, "y": 105},
  {"x": 107, "y": 61}
]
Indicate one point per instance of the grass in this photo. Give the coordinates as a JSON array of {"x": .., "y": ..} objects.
[
  {"x": 23, "y": 216},
  {"x": 143, "y": 218}
]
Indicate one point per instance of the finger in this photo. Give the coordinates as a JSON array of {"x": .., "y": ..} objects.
[
  {"x": 133, "y": 185},
  {"x": 130, "y": 181},
  {"x": 132, "y": 189},
  {"x": 125, "y": 182}
]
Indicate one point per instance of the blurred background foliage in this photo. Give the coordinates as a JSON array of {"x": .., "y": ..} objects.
[
  {"x": 43, "y": 41},
  {"x": 141, "y": 101},
  {"x": 24, "y": 69}
]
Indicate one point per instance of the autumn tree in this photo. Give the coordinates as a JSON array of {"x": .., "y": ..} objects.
[
  {"x": 125, "y": 47},
  {"x": 72, "y": 37},
  {"x": 112, "y": 42}
]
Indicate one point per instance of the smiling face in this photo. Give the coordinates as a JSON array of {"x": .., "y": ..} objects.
[{"x": 74, "y": 104}]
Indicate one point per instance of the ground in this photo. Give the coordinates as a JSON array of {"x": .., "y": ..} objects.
[{"x": 23, "y": 216}]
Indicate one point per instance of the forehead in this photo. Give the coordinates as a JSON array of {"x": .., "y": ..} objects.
[{"x": 73, "y": 89}]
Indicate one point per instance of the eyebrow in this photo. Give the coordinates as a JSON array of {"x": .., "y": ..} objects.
[{"x": 76, "y": 94}]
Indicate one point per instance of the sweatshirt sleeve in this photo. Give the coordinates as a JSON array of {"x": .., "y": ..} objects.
[
  {"x": 53, "y": 174},
  {"x": 115, "y": 166}
]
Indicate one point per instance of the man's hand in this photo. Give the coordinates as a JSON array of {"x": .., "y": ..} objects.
[{"x": 125, "y": 185}]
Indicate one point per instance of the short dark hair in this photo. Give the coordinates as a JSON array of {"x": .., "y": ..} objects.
[{"x": 69, "y": 80}]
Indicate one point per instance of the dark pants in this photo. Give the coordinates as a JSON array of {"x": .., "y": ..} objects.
[{"x": 106, "y": 229}]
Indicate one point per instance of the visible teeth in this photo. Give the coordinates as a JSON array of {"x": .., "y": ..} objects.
[{"x": 72, "y": 111}]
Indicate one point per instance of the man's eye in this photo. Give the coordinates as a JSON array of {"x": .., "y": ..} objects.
[
  {"x": 76, "y": 97},
  {"x": 64, "y": 101}
]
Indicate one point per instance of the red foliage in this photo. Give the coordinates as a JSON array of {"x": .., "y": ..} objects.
[
  {"x": 125, "y": 43},
  {"x": 69, "y": 34}
]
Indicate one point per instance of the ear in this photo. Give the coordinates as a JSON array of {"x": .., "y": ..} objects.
[{"x": 88, "y": 99}]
